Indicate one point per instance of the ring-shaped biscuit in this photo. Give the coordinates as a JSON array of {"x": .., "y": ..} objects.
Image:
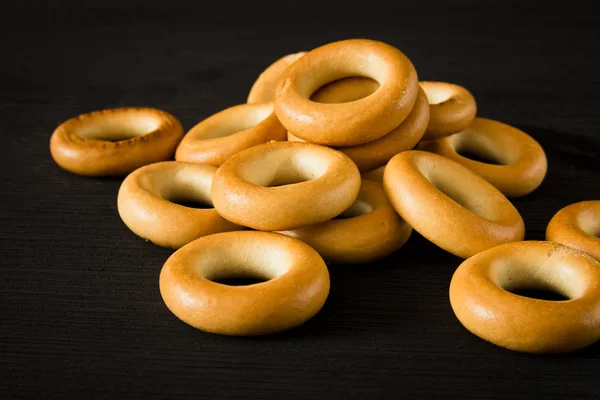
[
  {"x": 370, "y": 229},
  {"x": 450, "y": 205},
  {"x": 263, "y": 89},
  {"x": 481, "y": 298},
  {"x": 226, "y": 133},
  {"x": 285, "y": 185},
  {"x": 453, "y": 108},
  {"x": 352, "y": 123},
  {"x": 114, "y": 142},
  {"x": 522, "y": 161},
  {"x": 296, "y": 286},
  {"x": 577, "y": 225},
  {"x": 147, "y": 203},
  {"x": 372, "y": 155}
]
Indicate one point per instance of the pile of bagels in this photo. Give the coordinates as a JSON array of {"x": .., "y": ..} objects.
[{"x": 338, "y": 154}]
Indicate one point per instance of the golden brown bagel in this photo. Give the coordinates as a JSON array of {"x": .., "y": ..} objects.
[
  {"x": 481, "y": 299},
  {"x": 450, "y": 205},
  {"x": 375, "y": 175},
  {"x": 453, "y": 108},
  {"x": 352, "y": 123},
  {"x": 578, "y": 226},
  {"x": 370, "y": 230},
  {"x": 285, "y": 185},
  {"x": 226, "y": 133},
  {"x": 296, "y": 287},
  {"x": 146, "y": 203},
  {"x": 115, "y": 141},
  {"x": 263, "y": 89},
  {"x": 378, "y": 152},
  {"x": 523, "y": 163}
]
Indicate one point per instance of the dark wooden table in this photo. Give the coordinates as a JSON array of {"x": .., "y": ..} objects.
[{"x": 80, "y": 310}]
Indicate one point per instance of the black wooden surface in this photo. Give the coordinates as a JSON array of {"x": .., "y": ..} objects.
[{"x": 81, "y": 313}]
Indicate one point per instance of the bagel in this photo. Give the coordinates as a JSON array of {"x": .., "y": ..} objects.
[
  {"x": 352, "y": 123},
  {"x": 481, "y": 299},
  {"x": 263, "y": 89},
  {"x": 114, "y": 142},
  {"x": 226, "y": 133},
  {"x": 452, "y": 108},
  {"x": 578, "y": 226},
  {"x": 450, "y": 205},
  {"x": 523, "y": 163},
  {"x": 370, "y": 230},
  {"x": 146, "y": 203},
  {"x": 296, "y": 286},
  {"x": 372, "y": 155},
  {"x": 285, "y": 185}
]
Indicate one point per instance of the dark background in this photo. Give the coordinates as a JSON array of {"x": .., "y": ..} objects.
[{"x": 81, "y": 313}]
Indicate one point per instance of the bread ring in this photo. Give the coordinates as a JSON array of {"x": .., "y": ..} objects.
[
  {"x": 378, "y": 152},
  {"x": 578, "y": 226},
  {"x": 145, "y": 203},
  {"x": 353, "y": 123},
  {"x": 243, "y": 192},
  {"x": 115, "y": 141},
  {"x": 523, "y": 163},
  {"x": 375, "y": 175},
  {"x": 481, "y": 299},
  {"x": 449, "y": 205},
  {"x": 296, "y": 287},
  {"x": 453, "y": 108},
  {"x": 228, "y": 132},
  {"x": 371, "y": 230},
  {"x": 263, "y": 89}
]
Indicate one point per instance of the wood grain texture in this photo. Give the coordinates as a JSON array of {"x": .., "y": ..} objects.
[{"x": 81, "y": 313}]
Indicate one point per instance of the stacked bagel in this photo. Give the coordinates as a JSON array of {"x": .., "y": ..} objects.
[{"x": 338, "y": 154}]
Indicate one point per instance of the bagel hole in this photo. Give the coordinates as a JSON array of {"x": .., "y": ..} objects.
[
  {"x": 345, "y": 90},
  {"x": 239, "y": 281},
  {"x": 357, "y": 209},
  {"x": 472, "y": 203},
  {"x": 193, "y": 204},
  {"x": 281, "y": 168},
  {"x": 540, "y": 294},
  {"x": 118, "y": 127},
  {"x": 245, "y": 263},
  {"x": 481, "y": 155},
  {"x": 555, "y": 282}
]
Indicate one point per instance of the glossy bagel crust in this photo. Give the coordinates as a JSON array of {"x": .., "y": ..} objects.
[
  {"x": 93, "y": 144},
  {"x": 481, "y": 299},
  {"x": 577, "y": 225},
  {"x": 263, "y": 89},
  {"x": 356, "y": 122},
  {"x": 372, "y": 155},
  {"x": 453, "y": 108},
  {"x": 285, "y": 185},
  {"x": 146, "y": 203},
  {"x": 226, "y": 133},
  {"x": 523, "y": 161},
  {"x": 450, "y": 205},
  {"x": 370, "y": 230},
  {"x": 296, "y": 286}
]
